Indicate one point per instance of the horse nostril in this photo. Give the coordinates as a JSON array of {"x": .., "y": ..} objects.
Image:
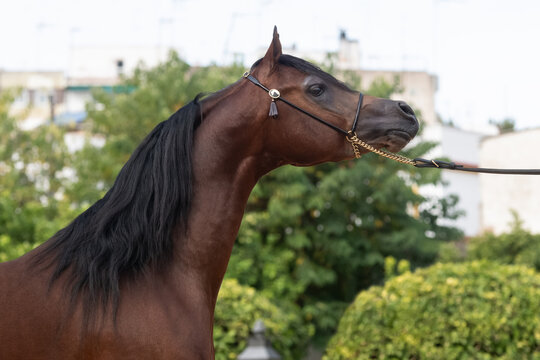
[{"x": 406, "y": 109}]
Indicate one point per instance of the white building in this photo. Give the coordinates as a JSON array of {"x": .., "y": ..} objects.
[
  {"x": 40, "y": 94},
  {"x": 461, "y": 147},
  {"x": 102, "y": 65},
  {"x": 502, "y": 194}
]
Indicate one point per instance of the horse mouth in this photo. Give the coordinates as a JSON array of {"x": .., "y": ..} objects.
[{"x": 394, "y": 140}]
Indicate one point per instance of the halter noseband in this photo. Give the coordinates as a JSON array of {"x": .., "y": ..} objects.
[{"x": 275, "y": 95}]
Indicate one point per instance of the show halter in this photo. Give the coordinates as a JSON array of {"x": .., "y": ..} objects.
[{"x": 355, "y": 142}]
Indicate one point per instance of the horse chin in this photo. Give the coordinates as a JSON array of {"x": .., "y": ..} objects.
[{"x": 393, "y": 141}]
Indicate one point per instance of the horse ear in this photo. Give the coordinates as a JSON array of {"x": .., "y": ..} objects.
[{"x": 273, "y": 53}]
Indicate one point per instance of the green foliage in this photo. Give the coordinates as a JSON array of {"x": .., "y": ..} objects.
[
  {"x": 237, "y": 309},
  {"x": 10, "y": 249},
  {"x": 518, "y": 246},
  {"x": 32, "y": 183},
  {"x": 393, "y": 268},
  {"x": 477, "y": 310}
]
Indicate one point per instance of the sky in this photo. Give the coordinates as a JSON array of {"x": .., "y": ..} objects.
[{"x": 485, "y": 54}]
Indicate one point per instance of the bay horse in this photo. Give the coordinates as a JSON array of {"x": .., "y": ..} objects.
[{"x": 136, "y": 275}]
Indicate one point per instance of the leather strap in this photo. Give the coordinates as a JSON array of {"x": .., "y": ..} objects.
[{"x": 424, "y": 163}]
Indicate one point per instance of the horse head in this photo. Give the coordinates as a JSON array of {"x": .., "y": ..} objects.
[{"x": 308, "y": 94}]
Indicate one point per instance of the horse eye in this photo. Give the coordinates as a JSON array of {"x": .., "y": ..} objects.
[{"x": 316, "y": 90}]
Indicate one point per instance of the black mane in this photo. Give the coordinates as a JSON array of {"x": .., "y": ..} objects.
[{"x": 129, "y": 230}]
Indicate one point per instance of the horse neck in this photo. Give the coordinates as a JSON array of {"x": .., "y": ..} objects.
[{"x": 227, "y": 163}]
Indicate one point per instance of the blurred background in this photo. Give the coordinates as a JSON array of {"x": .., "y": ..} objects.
[
  {"x": 82, "y": 82},
  {"x": 482, "y": 52}
]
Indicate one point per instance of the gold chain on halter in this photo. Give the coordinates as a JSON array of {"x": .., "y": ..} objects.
[{"x": 355, "y": 141}]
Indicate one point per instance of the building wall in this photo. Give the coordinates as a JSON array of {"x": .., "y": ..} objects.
[
  {"x": 101, "y": 65},
  {"x": 418, "y": 90},
  {"x": 32, "y": 79},
  {"x": 503, "y": 193},
  {"x": 33, "y": 91},
  {"x": 76, "y": 100},
  {"x": 462, "y": 147}
]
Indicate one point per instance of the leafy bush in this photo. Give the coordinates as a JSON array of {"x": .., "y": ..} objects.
[
  {"x": 515, "y": 247},
  {"x": 237, "y": 309},
  {"x": 477, "y": 310},
  {"x": 394, "y": 268}
]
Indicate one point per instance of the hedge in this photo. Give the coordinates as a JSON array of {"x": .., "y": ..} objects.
[
  {"x": 237, "y": 309},
  {"x": 518, "y": 246},
  {"x": 476, "y": 310}
]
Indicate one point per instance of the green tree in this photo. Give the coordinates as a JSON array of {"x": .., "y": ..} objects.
[{"x": 32, "y": 183}]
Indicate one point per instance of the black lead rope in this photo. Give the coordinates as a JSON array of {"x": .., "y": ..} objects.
[
  {"x": 353, "y": 139},
  {"x": 424, "y": 163}
]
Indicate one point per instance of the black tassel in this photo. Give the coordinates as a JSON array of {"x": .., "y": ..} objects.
[{"x": 273, "y": 109}]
